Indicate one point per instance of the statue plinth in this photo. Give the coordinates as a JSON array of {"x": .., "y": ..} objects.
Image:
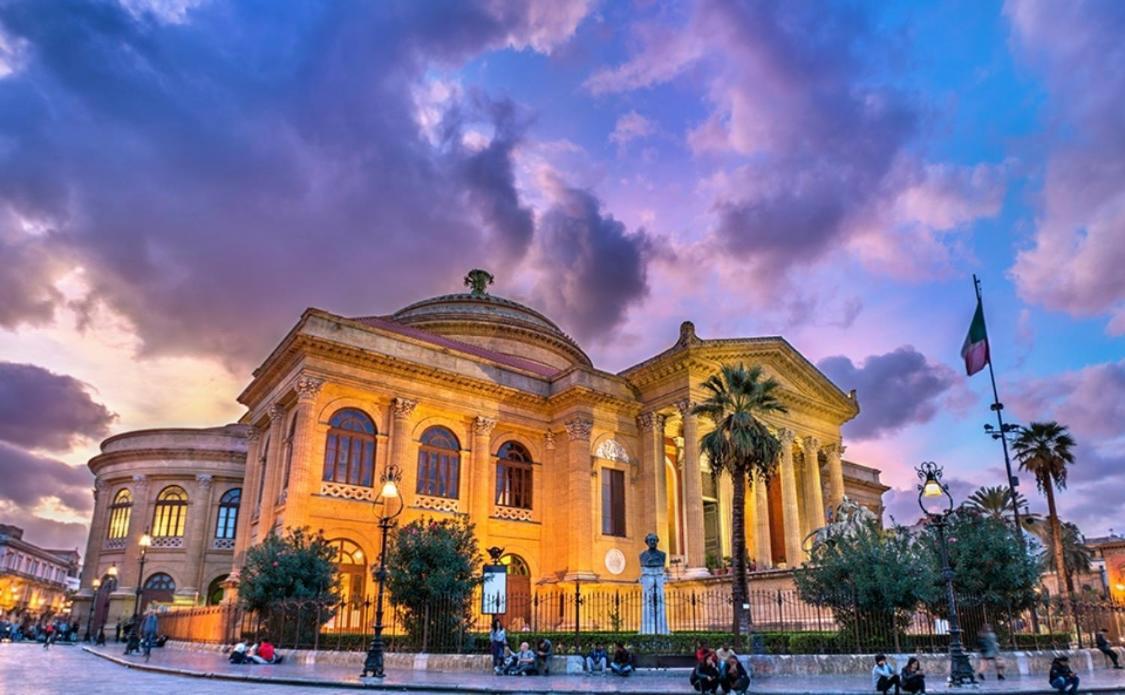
[{"x": 654, "y": 614}]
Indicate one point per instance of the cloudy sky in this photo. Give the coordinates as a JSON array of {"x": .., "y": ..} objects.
[{"x": 180, "y": 178}]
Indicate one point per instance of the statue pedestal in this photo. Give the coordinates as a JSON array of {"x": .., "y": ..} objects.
[{"x": 654, "y": 615}]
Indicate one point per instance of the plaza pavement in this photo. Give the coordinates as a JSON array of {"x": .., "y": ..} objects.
[{"x": 215, "y": 668}]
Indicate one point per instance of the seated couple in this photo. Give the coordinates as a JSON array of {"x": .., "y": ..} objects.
[
  {"x": 621, "y": 664},
  {"x": 710, "y": 674},
  {"x": 912, "y": 680},
  {"x": 527, "y": 661},
  {"x": 260, "y": 653}
]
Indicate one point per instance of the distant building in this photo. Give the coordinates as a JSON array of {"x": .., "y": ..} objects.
[
  {"x": 34, "y": 581},
  {"x": 487, "y": 409}
]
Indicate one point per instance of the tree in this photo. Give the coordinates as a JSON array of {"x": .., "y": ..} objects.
[
  {"x": 432, "y": 567},
  {"x": 871, "y": 578},
  {"x": 1076, "y": 553},
  {"x": 299, "y": 565},
  {"x": 741, "y": 445},
  {"x": 1044, "y": 449}
]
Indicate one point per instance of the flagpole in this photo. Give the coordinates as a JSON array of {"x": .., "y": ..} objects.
[{"x": 998, "y": 408}]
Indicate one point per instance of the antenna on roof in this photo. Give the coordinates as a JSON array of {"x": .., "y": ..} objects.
[{"x": 477, "y": 281}]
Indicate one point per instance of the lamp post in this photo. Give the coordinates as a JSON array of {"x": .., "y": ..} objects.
[
  {"x": 374, "y": 662},
  {"x": 145, "y": 542},
  {"x": 937, "y": 503},
  {"x": 95, "y": 586}
]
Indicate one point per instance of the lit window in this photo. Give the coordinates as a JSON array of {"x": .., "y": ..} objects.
[
  {"x": 170, "y": 513},
  {"x": 513, "y": 476},
  {"x": 349, "y": 453},
  {"x": 119, "y": 513},
  {"x": 439, "y": 463}
]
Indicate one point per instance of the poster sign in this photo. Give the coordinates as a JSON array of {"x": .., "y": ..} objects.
[{"x": 494, "y": 590}]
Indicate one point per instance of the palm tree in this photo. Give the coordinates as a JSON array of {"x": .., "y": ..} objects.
[
  {"x": 1076, "y": 554},
  {"x": 1044, "y": 449},
  {"x": 741, "y": 445},
  {"x": 996, "y": 502}
]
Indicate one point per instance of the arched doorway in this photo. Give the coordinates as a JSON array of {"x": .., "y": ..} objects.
[
  {"x": 159, "y": 588},
  {"x": 519, "y": 592},
  {"x": 351, "y": 584},
  {"x": 215, "y": 590},
  {"x": 101, "y": 601}
]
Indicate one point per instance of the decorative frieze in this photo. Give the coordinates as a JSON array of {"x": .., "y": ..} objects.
[
  {"x": 347, "y": 492},
  {"x": 549, "y": 440},
  {"x": 114, "y": 544},
  {"x": 512, "y": 513},
  {"x": 613, "y": 450},
  {"x": 168, "y": 542},
  {"x": 222, "y": 544}
]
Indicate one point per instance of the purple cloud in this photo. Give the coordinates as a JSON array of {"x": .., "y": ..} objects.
[
  {"x": 30, "y": 479},
  {"x": 896, "y": 389},
  {"x": 216, "y": 174},
  {"x": 1075, "y": 259},
  {"x": 41, "y": 409}
]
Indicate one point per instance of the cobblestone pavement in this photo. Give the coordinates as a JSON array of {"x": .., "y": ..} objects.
[{"x": 25, "y": 667}]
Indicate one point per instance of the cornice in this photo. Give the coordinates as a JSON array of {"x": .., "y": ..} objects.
[{"x": 158, "y": 456}]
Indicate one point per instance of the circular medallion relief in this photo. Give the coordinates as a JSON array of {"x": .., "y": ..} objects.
[{"x": 615, "y": 561}]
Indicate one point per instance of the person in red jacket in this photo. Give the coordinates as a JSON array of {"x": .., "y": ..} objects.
[{"x": 265, "y": 653}]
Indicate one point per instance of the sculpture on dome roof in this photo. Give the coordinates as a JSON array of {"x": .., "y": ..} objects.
[{"x": 477, "y": 281}]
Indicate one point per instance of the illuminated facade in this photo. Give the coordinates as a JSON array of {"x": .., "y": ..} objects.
[{"x": 488, "y": 409}]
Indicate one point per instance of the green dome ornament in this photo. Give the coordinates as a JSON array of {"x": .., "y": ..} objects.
[{"x": 477, "y": 281}]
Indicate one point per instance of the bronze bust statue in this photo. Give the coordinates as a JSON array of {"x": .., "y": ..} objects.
[{"x": 652, "y": 557}]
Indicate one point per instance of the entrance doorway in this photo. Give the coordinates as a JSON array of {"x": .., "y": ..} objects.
[
  {"x": 519, "y": 593},
  {"x": 777, "y": 527},
  {"x": 712, "y": 543}
]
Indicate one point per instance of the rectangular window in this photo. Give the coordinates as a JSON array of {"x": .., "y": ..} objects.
[
  {"x": 613, "y": 502},
  {"x": 513, "y": 485}
]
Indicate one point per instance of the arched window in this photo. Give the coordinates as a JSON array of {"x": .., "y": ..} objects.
[
  {"x": 289, "y": 433},
  {"x": 215, "y": 590},
  {"x": 171, "y": 512},
  {"x": 439, "y": 463},
  {"x": 349, "y": 454},
  {"x": 517, "y": 566},
  {"x": 262, "y": 460},
  {"x": 160, "y": 582},
  {"x": 119, "y": 513},
  {"x": 513, "y": 476},
  {"x": 226, "y": 524}
]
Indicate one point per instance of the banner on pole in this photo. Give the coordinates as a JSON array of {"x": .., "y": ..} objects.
[{"x": 494, "y": 590}]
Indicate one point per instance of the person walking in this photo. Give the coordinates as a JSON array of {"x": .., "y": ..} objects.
[
  {"x": 734, "y": 677},
  {"x": 883, "y": 676},
  {"x": 913, "y": 680},
  {"x": 48, "y": 636},
  {"x": 989, "y": 652},
  {"x": 705, "y": 677},
  {"x": 1061, "y": 677},
  {"x": 148, "y": 633},
  {"x": 1101, "y": 641}
]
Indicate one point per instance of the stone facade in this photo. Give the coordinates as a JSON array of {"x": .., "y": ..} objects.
[
  {"x": 34, "y": 581},
  {"x": 170, "y": 484},
  {"x": 487, "y": 408}
]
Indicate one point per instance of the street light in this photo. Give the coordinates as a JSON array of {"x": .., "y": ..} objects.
[
  {"x": 145, "y": 542},
  {"x": 374, "y": 662},
  {"x": 95, "y": 586},
  {"x": 937, "y": 503}
]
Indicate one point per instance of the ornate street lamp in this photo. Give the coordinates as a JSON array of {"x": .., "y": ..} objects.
[
  {"x": 937, "y": 503},
  {"x": 388, "y": 495},
  {"x": 145, "y": 542},
  {"x": 95, "y": 585}
]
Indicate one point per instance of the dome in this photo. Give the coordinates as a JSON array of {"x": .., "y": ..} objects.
[{"x": 494, "y": 323}]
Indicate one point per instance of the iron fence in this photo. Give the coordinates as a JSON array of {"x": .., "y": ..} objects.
[{"x": 576, "y": 617}]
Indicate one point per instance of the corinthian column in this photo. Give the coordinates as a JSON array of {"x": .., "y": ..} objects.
[
  {"x": 814, "y": 493},
  {"x": 835, "y": 475},
  {"x": 268, "y": 503},
  {"x": 196, "y": 549},
  {"x": 402, "y": 409},
  {"x": 693, "y": 494},
  {"x": 480, "y": 476},
  {"x": 654, "y": 503},
  {"x": 763, "y": 552},
  {"x": 302, "y": 463},
  {"x": 789, "y": 508},
  {"x": 580, "y": 515}
]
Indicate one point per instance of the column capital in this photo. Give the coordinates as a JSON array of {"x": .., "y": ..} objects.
[
  {"x": 579, "y": 429},
  {"x": 308, "y": 387},
  {"x": 549, "y": 439},
  {"x": 204, "y": 480},
  {"x": 403, "y": 407},
  {"x": 684, "y": 406},
  {"x": 834, "y": 449},
  {"x": 100, "y": 485},
  {"x": 651, "y": 421},
  {"x": 483, "y": 426},
  {"x": 786, "y": 437},
  {"x": 810, "y": 444},
  {"x": 254, "y": 435},
  {"x": 276, "y": 412},
  {"x": 140, "y": 479}
]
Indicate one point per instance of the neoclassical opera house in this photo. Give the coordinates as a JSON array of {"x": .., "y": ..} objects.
[{"x": 488, "y": 409}]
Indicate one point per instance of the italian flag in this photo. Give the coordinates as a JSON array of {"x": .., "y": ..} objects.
[{"x": 975, "y": 349}]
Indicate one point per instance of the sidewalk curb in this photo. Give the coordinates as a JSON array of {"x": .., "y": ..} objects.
[{"x": 372, "y": 684}]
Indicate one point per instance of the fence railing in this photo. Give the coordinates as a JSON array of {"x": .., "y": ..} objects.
[{"x": 782, "y": 623}]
